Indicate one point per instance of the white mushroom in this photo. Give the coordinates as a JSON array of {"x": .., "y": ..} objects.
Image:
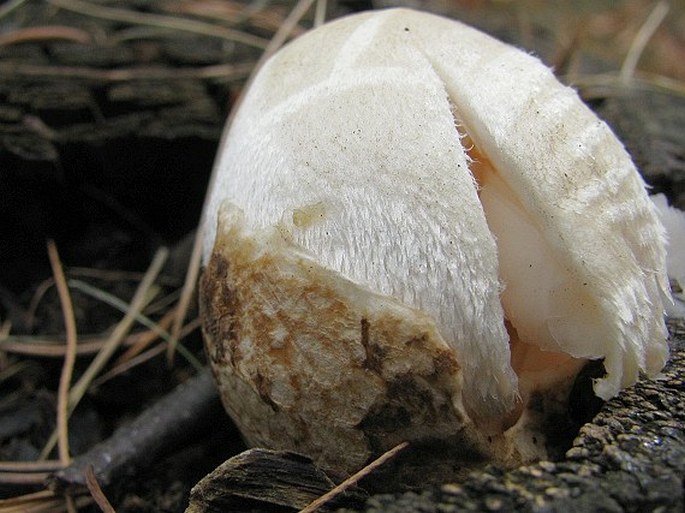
[{"x": 413, "y": 227}]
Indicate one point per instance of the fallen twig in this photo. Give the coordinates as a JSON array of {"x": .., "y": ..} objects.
[{"x": 166, "y": 423}]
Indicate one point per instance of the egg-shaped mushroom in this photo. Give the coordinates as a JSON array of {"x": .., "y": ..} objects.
[{"x": 414, "y": 229}]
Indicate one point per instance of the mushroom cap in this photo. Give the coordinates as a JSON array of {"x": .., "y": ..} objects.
[{"x": 350, "y": 153}]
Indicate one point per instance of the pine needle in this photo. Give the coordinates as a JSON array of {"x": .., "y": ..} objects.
[
  {"x": 96, "y": 492},
  {"x": 284, "y": 31},
  {"x": 10, "y": 6},
  {"x": 354, "y": 479},
  {"x": 30, "y": 466},
  {"x": 159, "y": 20},
  {"x": 320, "y": 13},
  {"x": 148, "y": 338},
  {"x": 187, "y": 293},
  {"x": 139, "y": 299},
  {"x": 45, "y": 501},
  {"x": 114, "y": 341},
  {"x": 642, "y": 37},
  {"x": 119, "y": 304},
  {"x": 69, "y": 357}
]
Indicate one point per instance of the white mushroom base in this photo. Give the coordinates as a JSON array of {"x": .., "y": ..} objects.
[{"x": 307, "y": 360}]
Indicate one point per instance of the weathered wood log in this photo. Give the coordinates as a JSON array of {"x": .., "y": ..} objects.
[
  {"x": 262, "y": 480},
  {"x": 80, "y": 77}
]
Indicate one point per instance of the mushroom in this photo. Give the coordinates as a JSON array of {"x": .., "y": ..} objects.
[{"x": 416, "y": 232}]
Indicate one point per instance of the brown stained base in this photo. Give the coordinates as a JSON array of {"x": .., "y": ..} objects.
[{"x": 630, "y": 457}]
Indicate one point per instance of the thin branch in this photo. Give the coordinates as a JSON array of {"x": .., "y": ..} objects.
[
  {"x": 69, "y": 357},
  {"x": 169, "y": 421},
  {"x": 353, "y": 479}
]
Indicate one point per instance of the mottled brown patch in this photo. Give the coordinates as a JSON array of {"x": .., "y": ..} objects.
[
  {"x": 309, "y": 361},
  {"x": 264, "y": 390},
  {"x": 365, "y": 331},
  {"x": 410, "y": 410},
  {"x": 418, "y": 342},
  {"x": 445, "y": 363},
  {"x": 398, "y": 411},
  {"x": 374, "y": 353},
  {"x": 218, "y": 309}
]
